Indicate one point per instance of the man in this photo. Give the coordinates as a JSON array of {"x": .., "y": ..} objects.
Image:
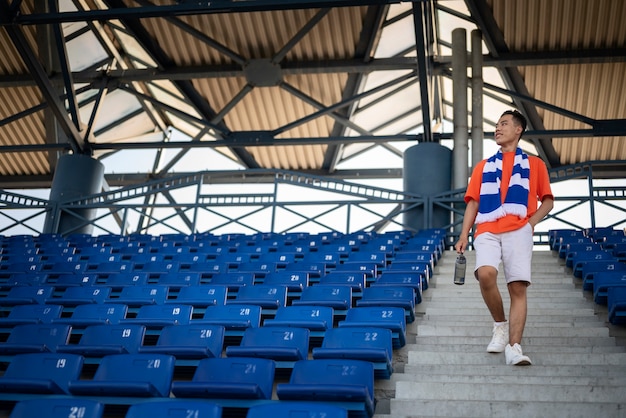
[{"x": 502, "y": 199}]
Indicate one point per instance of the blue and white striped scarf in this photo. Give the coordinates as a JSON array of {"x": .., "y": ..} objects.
[{"x": 490, "y": 206}]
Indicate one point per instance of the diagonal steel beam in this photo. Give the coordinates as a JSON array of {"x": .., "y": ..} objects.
[{"x": 47, "y": 89}]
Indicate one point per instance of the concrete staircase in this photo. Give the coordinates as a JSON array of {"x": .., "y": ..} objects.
[{"x": 579, "y": 365}]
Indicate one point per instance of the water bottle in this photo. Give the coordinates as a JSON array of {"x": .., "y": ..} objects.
[{"x": 459, "y": 269}]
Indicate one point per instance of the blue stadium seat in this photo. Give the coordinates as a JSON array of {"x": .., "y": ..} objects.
[
  {"x": 232, "y": 317},
  {"x": 356, "y": 280},
  {"x": 159, "y": 316},
  {"x": 573, "y": 249},
  {"x": 284, "y": 345},
  {"x": 377, "y": 257},
  {"x": 350, "y": 382},
  {"x": 65, "y": 280},
  {"x": 108, "y": 267},
  {"x": 233, "y": 280},
  {"x": 22, "y": 279},
  {"x": 201, "y": 296},
  {"x": 41, "y": 373},
  {"x": 584, "y": 257},
  {"x": 26, "y": 295},
  {"x": 400, "y": 278},
  {"x": 294, "y": 280},
  {"x": 31, "y": 314},
  {"x": 141, "y": 295},
  {"x": 591, "y": 268},
  {"x": 390, "y": 296},
  {"x": 94, "y": 314},
  {"x": 296, "y": 409},
  {"x": 316, "y": 269},
  {"x": 102, "y": 340},
  {"x": 191, "y": 341},
  {"x": 359, "y": 343},
  {"x": 603, "y": 280},
  {"x": 80, "y": 295},
  {"x": 119, "y": 280},
  {"x": 140, "y": 375},
  {"x": 175, "y": 280},
  {"x": 58, "y": 408},
  {"x": 72, "y": 267},
  {"x": 268, "y": 297},
  {"x": 229, "y": 378},
  {"x": 392, "y": 318},
  {"x": 337, "y": 297},
  {"x": 415, "y": 255},
  {"x": 317, "y": 319},
  {"x": 616, "y": 302},
  {"x": 175, "y": 408},
  {"x": 35, "y": 338},
  {"x": 163, "y": 266},
  {"x": 412, "y": 267},
  {"x": 370, "y": 269}
]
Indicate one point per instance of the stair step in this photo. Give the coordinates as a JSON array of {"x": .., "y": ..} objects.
[
  {"x": 528, "y": 408},
  {"x": 538, "y": 358},
  {"x": 452, "y": 391}
]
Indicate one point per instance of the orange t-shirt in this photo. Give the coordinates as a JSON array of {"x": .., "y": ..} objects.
[{"x": 539, "y": 189}]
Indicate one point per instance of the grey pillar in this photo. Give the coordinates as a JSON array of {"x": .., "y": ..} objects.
[
  {"x": 76, "y": 176},
  {"x": 477, "y": 97},
  {"x": 427, "y": 172},
  {"x": 459, "y": 112}
]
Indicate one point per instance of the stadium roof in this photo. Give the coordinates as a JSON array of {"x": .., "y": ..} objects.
[{"x": 158, "y": 87}]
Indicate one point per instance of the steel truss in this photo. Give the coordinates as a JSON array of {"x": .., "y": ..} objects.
[{"x": 185, "y": 204}]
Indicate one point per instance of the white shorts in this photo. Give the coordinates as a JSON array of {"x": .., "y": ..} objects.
[{"x": 513, "y": 249}]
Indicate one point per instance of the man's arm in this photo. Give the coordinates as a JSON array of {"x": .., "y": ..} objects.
[
  {"x": 468, "y": 221},
  {"x": 546, "y": 206}
]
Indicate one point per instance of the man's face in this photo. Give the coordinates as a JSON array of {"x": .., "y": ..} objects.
[{"x": 507, "y": 133}]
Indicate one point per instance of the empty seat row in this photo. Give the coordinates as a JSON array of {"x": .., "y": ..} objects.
[
  {"x": 595, "y": 256},
  {"x": 238, "y": 381}
]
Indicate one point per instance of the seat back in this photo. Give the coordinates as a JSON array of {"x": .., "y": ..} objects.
[
  {"x": 101, "y": 340},
  {"x": 58, "y": 408},
  {"x": 93, "y": 314},
  {"x": 32, "y": 314},
  {"x": 266, "y": 296},
  {"x": 279, "y": 344},
  {"x": 29, "y": 338},
  {"x": 142, "y": 295},
  {"x": 392, "y": 318},
  {"x": 233, "y": 317},
  {"x": 315, "y": 318},
  {"x": 201, "y": 296},
  {"x": 175, "y": 409},
  {"x": 79, "y": 295},
  {"x": 41, "y": 373},
  {"x": 331, "y": 380},
  {"x": 162, "y": 315},
  {"x": 356, "y": 280},
  {"x": 296, "y": 409},
  {"x": 337, "y": 297},
  {"x": 294, "y": 280},
  {"x": 189, "y": 341},
  {"x": 129, "y": 375},
  {"x": 238, "y": 378},
  {"x": 25, "y": 295}
]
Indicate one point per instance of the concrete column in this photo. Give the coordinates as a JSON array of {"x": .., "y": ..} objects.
[
  {"x": 459, "y": 92},
  {"x": 427, "y": 172},
  {"x": 76, "y": 176},
  {"x": 477, "y": 97}
]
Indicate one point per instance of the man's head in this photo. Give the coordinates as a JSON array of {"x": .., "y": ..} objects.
[
  {"x": 518, "y": 119},
  {"x": 509, "y": 130}
]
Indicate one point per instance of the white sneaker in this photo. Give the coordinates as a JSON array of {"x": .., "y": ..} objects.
[
  {"x": 500, "y": 338},
  {"x": 515, "y": 357}
]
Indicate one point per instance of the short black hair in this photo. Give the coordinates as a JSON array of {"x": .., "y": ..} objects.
[{"x": 518, "y": 118}]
